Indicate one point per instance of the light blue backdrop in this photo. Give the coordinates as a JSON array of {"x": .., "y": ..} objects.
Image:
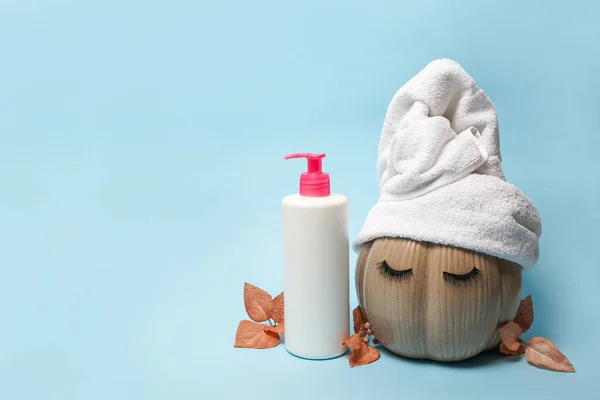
[{"x": 141, "y": 147}]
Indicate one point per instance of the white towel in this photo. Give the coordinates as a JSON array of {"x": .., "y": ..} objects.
[{"x": 440, "y": 177}]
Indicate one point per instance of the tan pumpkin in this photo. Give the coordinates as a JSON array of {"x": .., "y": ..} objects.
[{"x": 435, "y": 302}]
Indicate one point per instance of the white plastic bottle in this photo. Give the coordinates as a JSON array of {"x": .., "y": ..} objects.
[{"x": 316, "y": 262}]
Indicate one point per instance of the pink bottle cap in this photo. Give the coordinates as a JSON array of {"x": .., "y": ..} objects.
[{"x": 314, "y": 182}]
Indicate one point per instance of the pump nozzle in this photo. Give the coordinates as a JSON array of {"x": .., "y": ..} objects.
[{"x": 314, "y": 182}]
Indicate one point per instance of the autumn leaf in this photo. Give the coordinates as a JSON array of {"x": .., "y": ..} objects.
[
  {"x": 362, "y": 353},
  {"x": 277, "y": 308},
  {"x": 359, "y": 321},
  {"x": 524, "y": 317},
  {"x": 510, "y": 333},
  {"x": 510, "y": 352},
  {"x": 258, "y": 303},
  {"x": 366, "y": 355},
  {"x": 543, "y": 352},
  {"x": 252, "y": 335},
  {"x": 279, "y": 328},
  {"x": 354, "y": 342}
]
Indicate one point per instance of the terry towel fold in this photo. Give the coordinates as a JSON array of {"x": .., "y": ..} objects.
[{"x": 440, "y": 177}]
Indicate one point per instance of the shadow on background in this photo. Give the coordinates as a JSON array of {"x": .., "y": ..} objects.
[{"x": 485, "y": 359}]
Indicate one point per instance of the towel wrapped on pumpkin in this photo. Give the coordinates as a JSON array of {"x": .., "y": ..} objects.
[{"x": 440, "y": 176}]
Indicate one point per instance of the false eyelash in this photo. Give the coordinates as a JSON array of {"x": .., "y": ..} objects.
[
  {"x": 393, "y": 274},
  {"x": 462, "y": 280}
]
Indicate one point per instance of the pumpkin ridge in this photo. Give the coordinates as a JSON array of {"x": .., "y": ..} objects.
[
  {"x": 426, "y": 301},
  {"x": 502, "y": 297},
  {"x": 364, "y": 278}
]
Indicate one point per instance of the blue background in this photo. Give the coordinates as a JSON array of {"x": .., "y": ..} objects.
[{"x": 141, "y": 147}]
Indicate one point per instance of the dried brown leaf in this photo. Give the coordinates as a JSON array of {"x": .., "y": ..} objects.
[
  {"x": 366, "y": 355},
  {"x": 359, "y": 321},
  {"x": 279, "y": 328},
  {"x": 524, "y": 317},
  {"x": 354, "y": 342},
  {"x": 277, "y": 308},
  {"x": 252, "y": 335},
  {"x": 510, "y": 333},
  {"x": 362, "y": 353},
  {"x": 258, "y": 303},
  {"x": 543, "y": 352},
  {"x": 509, "y": 352}
]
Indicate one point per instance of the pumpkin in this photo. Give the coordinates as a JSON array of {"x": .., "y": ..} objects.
[{"x": 430, "y": 301}]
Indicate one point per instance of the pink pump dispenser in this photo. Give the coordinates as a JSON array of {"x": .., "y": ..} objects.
[
  {"x": 316, "y": 265},
  {"x": 314, "y": 182}
]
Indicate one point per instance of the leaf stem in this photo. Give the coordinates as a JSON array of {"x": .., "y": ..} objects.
[
  {"x": 271, "y": 323},
  {"x": 523, "y": 343}
]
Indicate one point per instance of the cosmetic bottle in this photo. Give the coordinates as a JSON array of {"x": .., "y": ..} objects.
[{"x": 316, "y": 265}]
